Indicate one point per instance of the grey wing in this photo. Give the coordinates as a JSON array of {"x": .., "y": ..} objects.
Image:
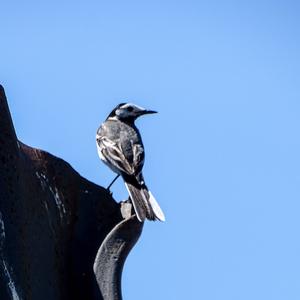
[{"x": 113, "y": 154}]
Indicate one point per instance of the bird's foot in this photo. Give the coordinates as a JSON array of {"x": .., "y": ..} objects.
[{"x": 109, "y": 191}]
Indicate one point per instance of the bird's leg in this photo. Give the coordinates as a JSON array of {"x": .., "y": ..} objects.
[{"x": 108, "y": 188}]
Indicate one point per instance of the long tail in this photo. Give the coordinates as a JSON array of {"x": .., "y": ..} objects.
[{"x": 144, "y": 203}]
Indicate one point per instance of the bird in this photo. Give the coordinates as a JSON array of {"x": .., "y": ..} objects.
[{"x": 120, "y": 147}]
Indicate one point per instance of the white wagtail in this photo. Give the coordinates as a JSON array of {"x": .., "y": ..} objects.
[{"x": 121, "y": 148}]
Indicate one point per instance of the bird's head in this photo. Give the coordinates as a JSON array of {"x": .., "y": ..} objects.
[{"x": 129, "y": 112}]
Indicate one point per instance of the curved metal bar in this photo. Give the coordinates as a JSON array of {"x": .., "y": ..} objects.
[{"x": 112, "y": 254}]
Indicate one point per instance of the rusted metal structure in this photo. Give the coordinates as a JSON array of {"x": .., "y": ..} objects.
[{"x": 61, "y": 236}]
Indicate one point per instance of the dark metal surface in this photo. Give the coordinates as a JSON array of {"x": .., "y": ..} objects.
[
  {"x": 52, "y": 223},
  {"x": 112, "y": 254}
]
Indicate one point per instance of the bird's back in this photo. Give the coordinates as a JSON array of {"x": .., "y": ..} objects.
[{"x": 123, "y": 134}]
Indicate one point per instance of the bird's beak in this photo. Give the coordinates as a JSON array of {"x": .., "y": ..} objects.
[{"x": 147, "y": 112}]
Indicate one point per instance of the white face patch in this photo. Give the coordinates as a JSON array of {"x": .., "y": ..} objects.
[{"x": 129, "y": 110}]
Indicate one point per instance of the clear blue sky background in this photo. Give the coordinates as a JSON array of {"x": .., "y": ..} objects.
[{"x": 223, "y": 152}]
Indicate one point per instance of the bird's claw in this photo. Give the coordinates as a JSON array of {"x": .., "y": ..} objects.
[{"x": 109, "y": 191}]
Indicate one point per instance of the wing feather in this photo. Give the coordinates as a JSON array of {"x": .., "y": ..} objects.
[{"x": 114, "y": 155}]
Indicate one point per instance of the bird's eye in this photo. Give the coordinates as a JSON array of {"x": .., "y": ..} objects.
[{"x": 130, "y": 108}]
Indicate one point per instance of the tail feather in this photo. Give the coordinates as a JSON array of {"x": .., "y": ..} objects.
[
  {"x": 156, "y": 208},
  {"x": 137, "y": 201},
  {"x": 144, "y": 203}
]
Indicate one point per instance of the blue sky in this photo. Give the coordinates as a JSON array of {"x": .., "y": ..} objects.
[{"x": 223, "y": 152}]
